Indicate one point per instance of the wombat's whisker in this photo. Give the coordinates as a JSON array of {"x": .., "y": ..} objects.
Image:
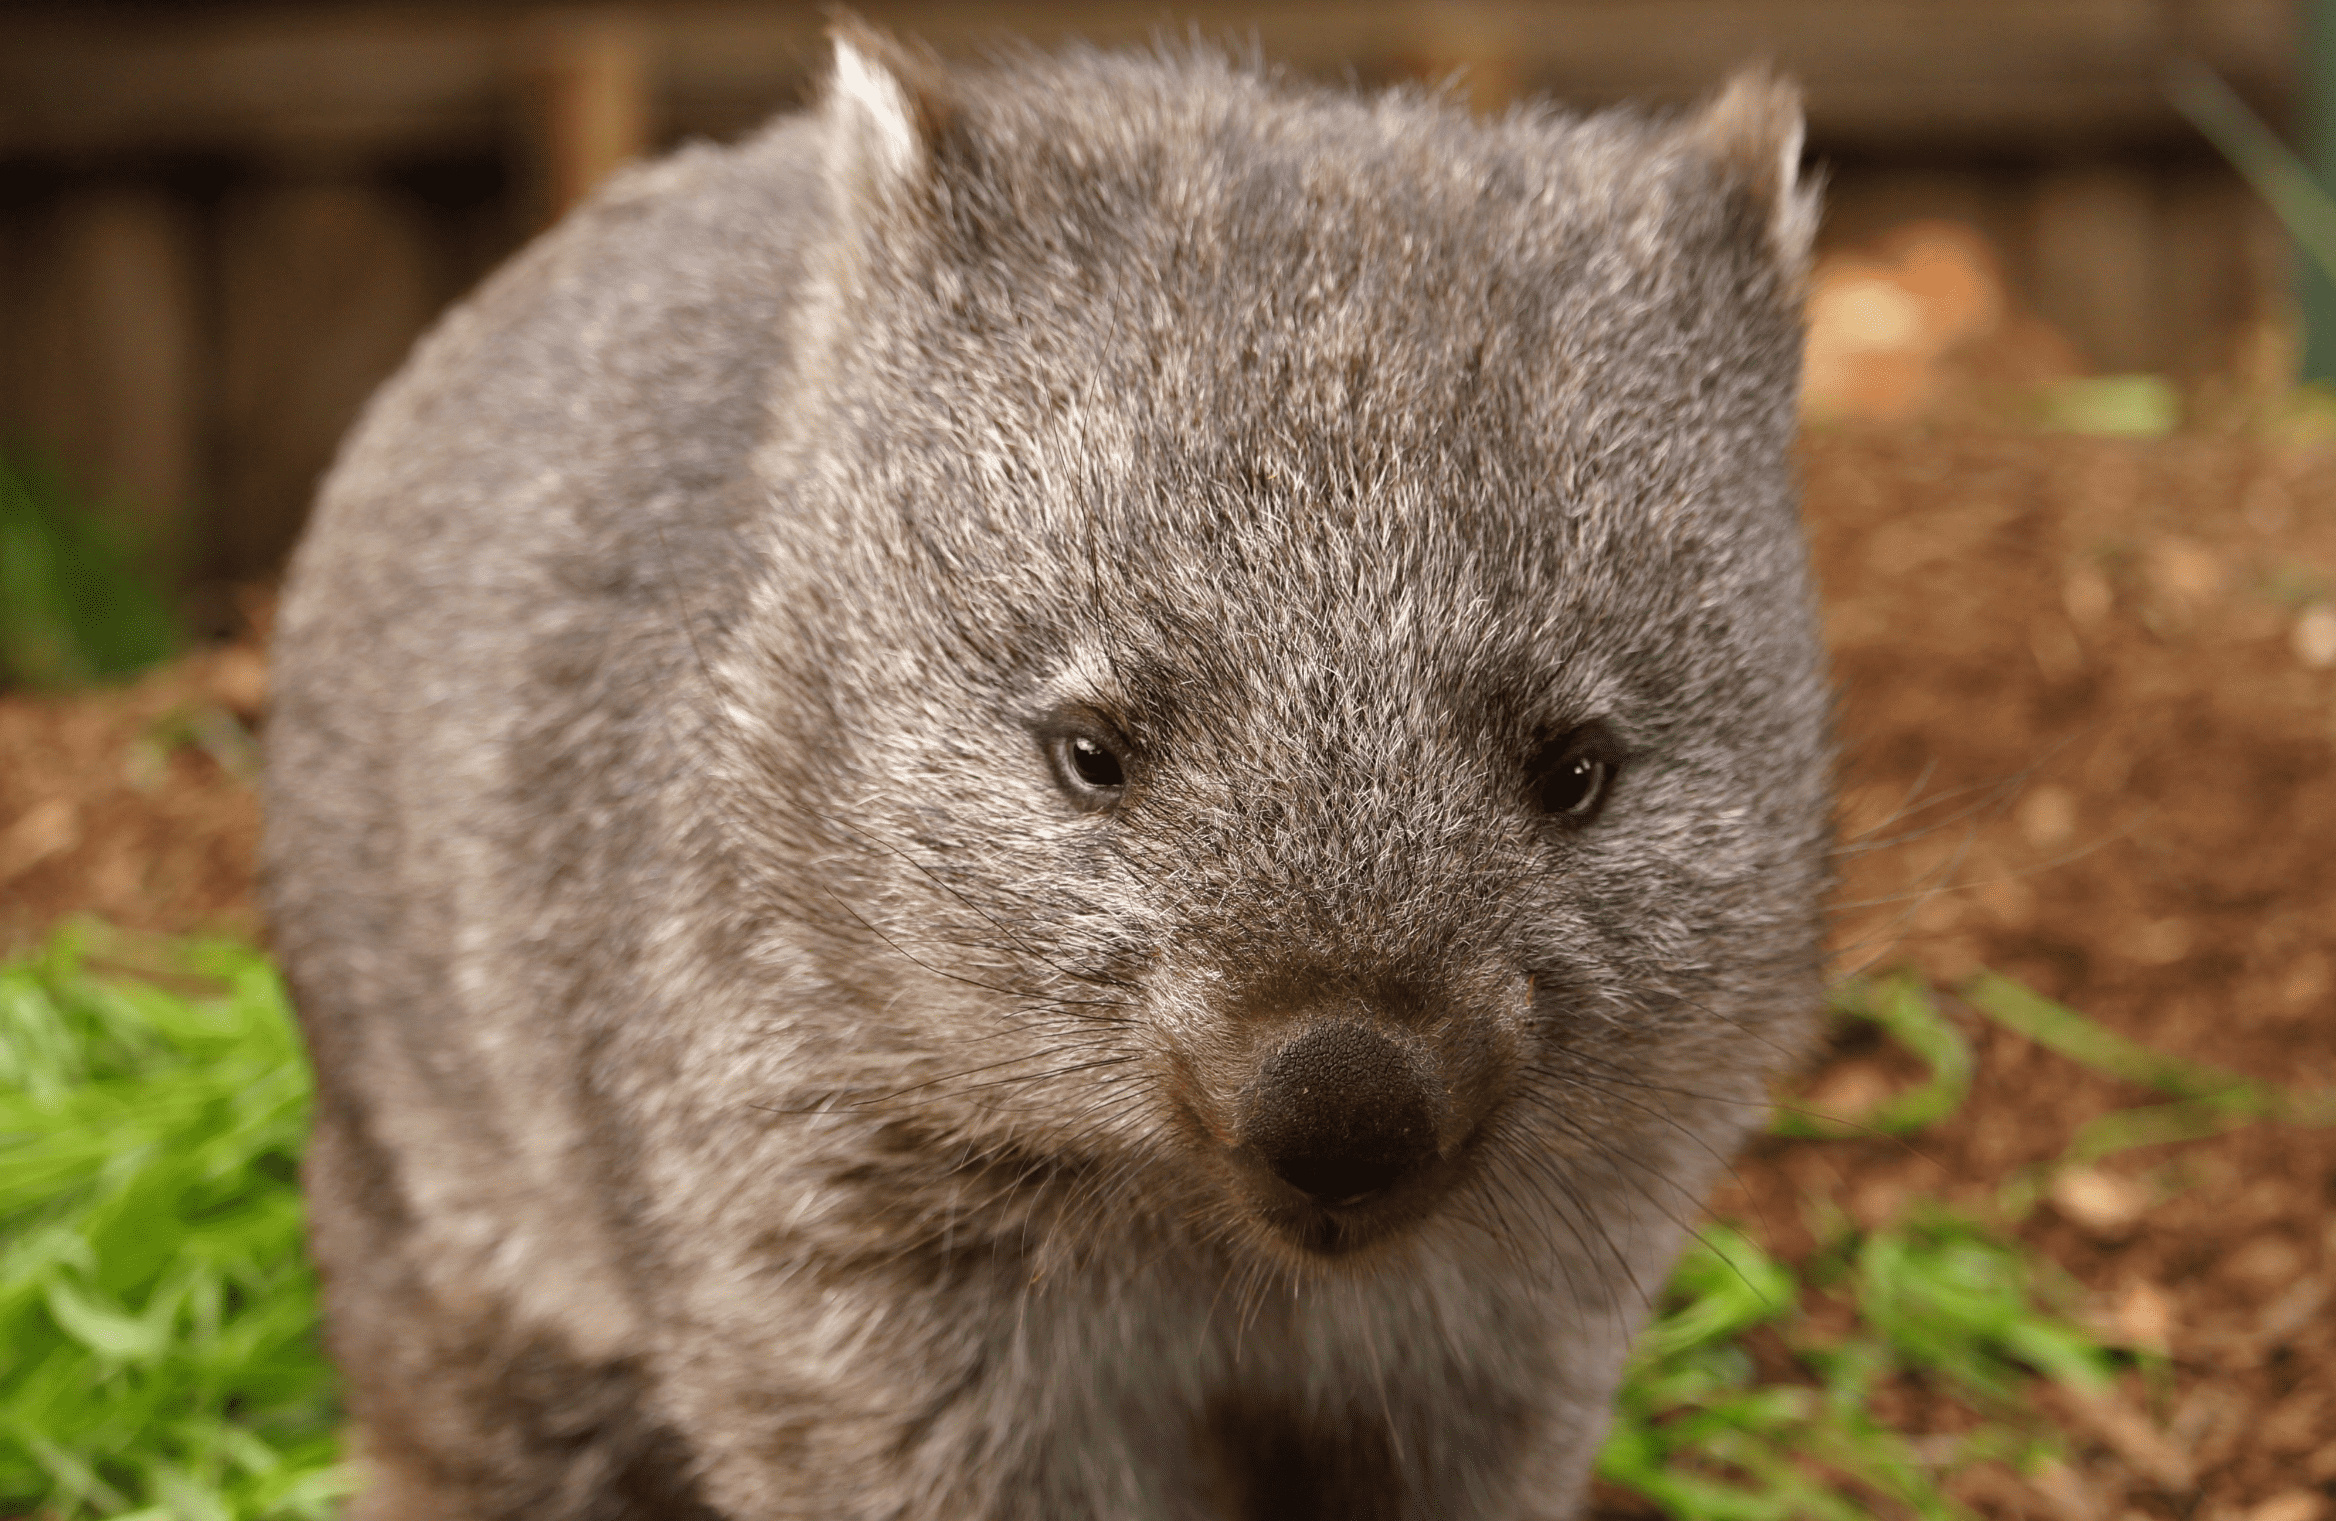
[
  {"x": 2040, "y": 868},
  {"x": 1560, "y": 1115},
  {"x": 1485, "y": 1193},
  {"x": 1518, "y": 1163},
  {"x": 1905, "y": 804},
  {"x": 1989, "y": 799},
  {"x": 1572, "y": 1188},
  {"x": 1784, "y": 1054},
  {"x": 1041, "y": 1020},
  {"x": 1524, "y": 1164},
  {"x": 1047, "y": 1076},
  {"x": 1760, "y": 1105},
  {"x": 1501, "y": 1179},
  {"x": 1616, "y": 1158},
  {"x": 1615, "y": 1074}
]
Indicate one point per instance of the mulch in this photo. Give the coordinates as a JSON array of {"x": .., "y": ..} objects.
[{"x": 2087, "y": 712}]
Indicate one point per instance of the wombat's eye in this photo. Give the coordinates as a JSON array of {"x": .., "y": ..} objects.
[
  {"x": 1088, "y": 768},
  {"x": 1570, "y": 781}
]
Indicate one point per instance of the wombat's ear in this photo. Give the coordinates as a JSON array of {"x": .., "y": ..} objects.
[
  {"x": 888, "y": 109},
  {"x": 1753, "y": 131}
]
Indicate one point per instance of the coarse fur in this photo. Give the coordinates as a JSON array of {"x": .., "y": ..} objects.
[{"x": 755, "y": 1080}]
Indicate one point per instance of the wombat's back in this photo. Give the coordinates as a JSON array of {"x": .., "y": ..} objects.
[{"x": 481, "y": 631}]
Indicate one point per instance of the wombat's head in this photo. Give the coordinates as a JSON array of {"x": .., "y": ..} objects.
[{"x": 1285, "y": 686}]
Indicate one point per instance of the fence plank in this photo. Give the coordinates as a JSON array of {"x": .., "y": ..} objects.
[
  {"x": 375, "y": 79},
  {"x": 323, "y": 288},
  {"x": 597, "y": 99},
  {"x": 2097, "y": 272},
  {"x": 107, "y": 363}
]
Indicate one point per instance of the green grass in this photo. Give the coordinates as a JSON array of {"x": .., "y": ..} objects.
[
  {"x": 158, "y": 1339},
  {"x": 1709, "y": 1429},
  {"x": 1746, "y": 1401},
  {"x": 158, "y": 1350},
  {"x": 1705, "y": 1428},
  {"x": 76, "y": 604}
]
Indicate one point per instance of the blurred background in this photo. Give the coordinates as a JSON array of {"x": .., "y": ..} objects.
[
  {"x": 221, "y": 225},
  {"x": 2048, "y": 1228}
]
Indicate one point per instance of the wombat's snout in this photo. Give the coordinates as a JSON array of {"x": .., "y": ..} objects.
[{"x": 1340, "y": 1112}]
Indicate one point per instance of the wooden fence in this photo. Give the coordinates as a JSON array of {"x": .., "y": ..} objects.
[{"x": 220, "y": 227}]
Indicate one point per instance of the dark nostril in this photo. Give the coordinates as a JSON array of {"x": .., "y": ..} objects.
[{"x": 1339, "y": 1112}]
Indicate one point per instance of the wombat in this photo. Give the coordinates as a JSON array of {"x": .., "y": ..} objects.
[{"x": 1091, "y": 787}]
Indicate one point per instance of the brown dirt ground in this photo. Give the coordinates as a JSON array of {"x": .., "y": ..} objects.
[{"x": 2085, "y": 744}]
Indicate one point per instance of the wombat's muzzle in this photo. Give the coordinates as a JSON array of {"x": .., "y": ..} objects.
[
  {"x": 1340, "y": 1112},
  {"x": 1349, "y": 1108}
]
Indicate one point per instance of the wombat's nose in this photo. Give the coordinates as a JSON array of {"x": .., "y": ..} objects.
[{"x": 1340, "y": 1112}]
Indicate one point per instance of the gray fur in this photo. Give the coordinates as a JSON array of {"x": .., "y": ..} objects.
[{"x": 748, "y": 1087}]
